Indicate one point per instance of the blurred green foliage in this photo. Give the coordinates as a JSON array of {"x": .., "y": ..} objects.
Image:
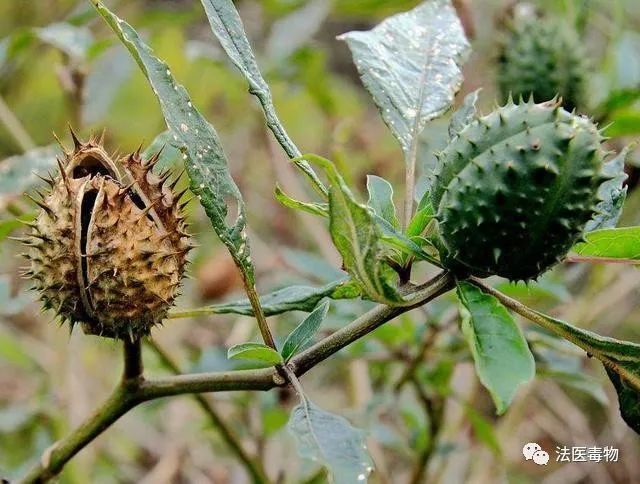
[{"x": 50, "y": 380}]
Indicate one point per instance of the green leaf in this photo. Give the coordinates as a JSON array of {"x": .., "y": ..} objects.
[
  {"x": 297, "y": 29},
  {"x": 410, "y": 63},
  {"x": 169, "y": 155},
  {"x": 72, "y": 40},
  {"x": 624, "y": 123},
  {"x": 105, "y": 79},
  {"x": 423, "y": 216},
  {"x": 192, "y": 134},
  {"x": 401, "y": 242},
  {"x": 616, "y": 245},
  {"x": 303, "y": 333},
  {"x": 331, "y": 440},
  {"x": 618, "y": 99},
  {"x": 227, "y": 27},
  {"x": 612, "y": 194},
  {"x": 18, "y": 173},
  {"x": 628, "y": 399},
  {"x": 483, "y": 430},
  {"x": 8, "y": 226},
  {"x": 464, "y": 114},
  {"x": 502, "y": 357},
  {"x": 321, "y": 209},
  {"x": 292, "y": 298},
  {"x": 381, "y": 199},
  {"x": 357, "y": 237},
  {"x": 254, "y": 351}
]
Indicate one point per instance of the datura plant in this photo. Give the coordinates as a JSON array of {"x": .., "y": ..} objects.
[
  {"x": 108, "y": 248},
  {"x": 512, "y": 194}
]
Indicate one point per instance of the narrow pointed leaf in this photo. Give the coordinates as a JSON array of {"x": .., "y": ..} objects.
[
  {"x": 254, "y": 351},
  {"x": 321, "y": 209},
  {"x": 192, "y": 134},
  {"x": 331, "y": 440},
  {"x": 304, "y": 332},
  {"x": 292, "y": 298},
  {"x": 410, "y": 63},
  {"x": 502, "y": 357}
]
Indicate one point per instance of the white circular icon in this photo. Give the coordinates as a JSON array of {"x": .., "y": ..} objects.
[
  {"x": 541, "y": 457},
  {"x": 530, "y": 449}
]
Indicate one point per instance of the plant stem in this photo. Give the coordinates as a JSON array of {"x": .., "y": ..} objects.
[
  {"x": 253, "y": 466},
  {"x": 133, "y": 367},
  {"x": 15, "y": 127},
  {"x": 366, "y": 323},
  {"x": 258, "y": 312},
  {"x": 434, "y": 408},
  {"x": 134, "y": 390}
]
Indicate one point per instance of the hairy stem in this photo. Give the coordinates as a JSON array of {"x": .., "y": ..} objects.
[
  {"x": 253, "y": 466},
  {"x": 135, "y": 390}
]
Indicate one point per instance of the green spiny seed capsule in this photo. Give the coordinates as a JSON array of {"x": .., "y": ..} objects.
[
  {"x": 514, "y": 190},
  {"x": 108, "y": 248},
  {"x": 543, "y": 58}
]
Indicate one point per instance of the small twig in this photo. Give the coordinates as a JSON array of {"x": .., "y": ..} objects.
[
  {"x": 258, "y": 312},
  {"x": 254, "y": 467},
  {"x": 434, "y": 408},
  {"x": 15, "y": 127},
  {"x": 134, "y": 391}
]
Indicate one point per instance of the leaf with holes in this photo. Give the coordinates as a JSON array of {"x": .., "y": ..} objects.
[
  {"x": 192, "y": 134},
  {"x": 331, "y": 440},
  {"x": 410, "y": 63}
]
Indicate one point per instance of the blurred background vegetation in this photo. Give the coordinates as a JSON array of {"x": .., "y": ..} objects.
[{"x": 59, "y": 65}]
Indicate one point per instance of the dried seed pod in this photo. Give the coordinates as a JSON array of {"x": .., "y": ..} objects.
[
  {"x": 108, "y": 249},
  {"x": 514, "y": 190}
]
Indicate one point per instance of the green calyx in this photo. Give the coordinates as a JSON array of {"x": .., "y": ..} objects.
[
  {"x": 543, "y": 58},
  {"x": 514, "y": 189}
]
